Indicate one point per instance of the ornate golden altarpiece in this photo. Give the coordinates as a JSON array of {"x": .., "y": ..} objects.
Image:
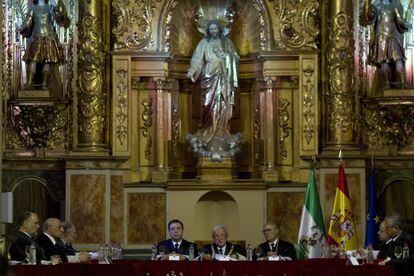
[{"x": 109, "y": 143}]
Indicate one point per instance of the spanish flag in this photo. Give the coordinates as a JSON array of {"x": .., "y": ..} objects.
[{"x": 342, "y": 231}]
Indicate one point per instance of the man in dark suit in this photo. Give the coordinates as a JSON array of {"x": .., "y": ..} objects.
[
  {"x": 28, "y": 225},
  {"x": 48, "y": 240},
  {"x": 221, "y": 247},
  {"x": 274, "y": 247},
  {"x": 394, "y": 227},
  {"x": 176, "y": 245},
  {"x": 68, "y": 238}
]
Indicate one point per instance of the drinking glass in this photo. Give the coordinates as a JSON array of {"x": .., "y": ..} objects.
[
  {"x": 201, "y": 253},
  {"x": 398, "y": 251},
  {"x": 162, "y": 250},
  {"x": 258, "y": 251},
  {"x": 27, "y": 252}
]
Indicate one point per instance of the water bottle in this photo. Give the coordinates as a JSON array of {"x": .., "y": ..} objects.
[
  {"x": 191, "y": 252},
  {"x": 370, "y": 255},
  {"x": 406, "y": 252},
  {"x": 101, "y": 258},
  {"x": 154, "y": 252},
  {"x": 249, "y": 253},
  {"x": 119, "y": 251},
  {"x": 32, "y": 255}
]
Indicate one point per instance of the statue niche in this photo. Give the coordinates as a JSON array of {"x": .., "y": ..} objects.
[{"x": 215, "y": 62}]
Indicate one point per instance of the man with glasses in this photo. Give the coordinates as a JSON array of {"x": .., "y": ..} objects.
[{"x": 274, "y": 248}]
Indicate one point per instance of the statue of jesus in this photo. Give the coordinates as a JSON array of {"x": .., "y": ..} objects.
[{"x": 215, "y": 62}]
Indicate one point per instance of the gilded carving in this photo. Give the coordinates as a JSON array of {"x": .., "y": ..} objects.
[
  {"x": 341, "y": 73},
  {"x": 132, "y": 29},
  {"x": 283, "y": 119},
  {"x": 121, "y": 108},
  {"x": 175, "y": 132},
  {"x": 256, "y": 130},
  {"x": 167, "y": 31},
  {"x": 146, "y": 117},
  {"x": 299, "y": 23},
  {"x": 41, "y": 126},
  {"x": 389, "y": 124},
  {"x": 263, "y": 22},
  {"x": 91, "y": 96},
  {"x": 308, "y": 104}
]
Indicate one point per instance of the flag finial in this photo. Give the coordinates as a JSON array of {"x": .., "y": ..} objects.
[
  {"x": 314, "y": 161},
  {"x": 340, "y": 155}
]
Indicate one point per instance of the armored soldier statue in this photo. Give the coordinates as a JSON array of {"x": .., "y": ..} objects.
[
  {"x": 43, "y": 50},
  {"x": 386, "y": 49}
]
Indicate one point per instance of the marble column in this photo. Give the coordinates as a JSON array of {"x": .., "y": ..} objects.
[
  {"x": 91, "y": 96},
  {"x": 160, "y": 173},
  {"x": 269, "y": 170},
  {"x": 340, "y": 99}
]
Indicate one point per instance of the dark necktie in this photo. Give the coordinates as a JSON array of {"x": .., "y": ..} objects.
[
  {"x": 176, "y": 246},
  {"x": 273, "y": 247},
  {"x": 220, "y": 251}
]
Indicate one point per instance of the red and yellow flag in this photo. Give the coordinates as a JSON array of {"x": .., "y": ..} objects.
[{"x": 342, "y": 229}]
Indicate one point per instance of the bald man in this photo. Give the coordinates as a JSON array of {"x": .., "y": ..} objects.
[
  {"x": 49, "y": 239},
  {"x": 273, "y": 246}
]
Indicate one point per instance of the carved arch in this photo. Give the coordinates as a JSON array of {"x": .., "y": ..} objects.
[{"x": 165, "y": 19}]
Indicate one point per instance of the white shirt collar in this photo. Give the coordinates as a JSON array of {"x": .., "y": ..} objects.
[
  {"x": 392, "y": 239},
  {"x": 222, "y": 248},
  {"x": 179, "y": 243},
  {"x": 273, "y": 242},
  {"x": 51, "y": 238},
  {"x": 26, "y": 234}
]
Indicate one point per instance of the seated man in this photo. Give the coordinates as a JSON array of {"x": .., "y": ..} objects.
[
  {"x": 274, "y": 247},
  {"x": 221, "y": 248},
  {"x": 48, "y": 240},
  {"x": 176, "y": 245},
  {"x": 394, "y": 227},
  {"x": 68, "y": 237},
  {"x": 28, "y": 225}
]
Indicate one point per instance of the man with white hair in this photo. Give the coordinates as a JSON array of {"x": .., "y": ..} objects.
[
  {"x": 221, "y": 248},
  {"x": 48, "y": 240},
  {"x": 397, "y": 240}
]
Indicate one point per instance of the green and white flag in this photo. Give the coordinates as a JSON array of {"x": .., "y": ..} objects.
[{"x": 312, "y": 229}]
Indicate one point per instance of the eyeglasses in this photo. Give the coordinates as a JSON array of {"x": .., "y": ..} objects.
[{"x": 266, "y": 230}]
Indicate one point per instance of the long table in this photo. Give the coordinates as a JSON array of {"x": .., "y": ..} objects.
[{"x": 315, "y": 267}]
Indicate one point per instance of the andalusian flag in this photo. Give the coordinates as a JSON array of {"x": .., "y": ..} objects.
[
  {"x": 312, "y": 229},
  {"x": 342, "y": 231}
]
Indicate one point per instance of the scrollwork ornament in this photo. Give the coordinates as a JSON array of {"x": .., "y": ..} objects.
[
  {"x": 147, "y": 119},
  {"x": 133, "y": 19},
  {"x": 283, "y": 114},
  {"x": 263, "y": 22},
  {"x": 341, "y": 72},
  {"x": 121, "y": 108},
  {"x": 175, "y": 132},
  {"x": 389, "y": 125},
  {"x": 256, "y": 131},
  {"x": 299, "y": 23},
  {"x": 39, "y": 126},
  {"x": 308, "y": 104},
  {"x": 91, "y": 97}
]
